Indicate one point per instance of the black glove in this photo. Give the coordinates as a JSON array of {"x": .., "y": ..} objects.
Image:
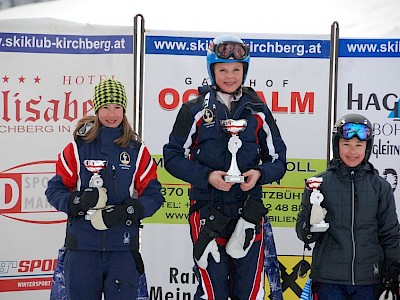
[
  {"x": 304, "y": 234},
  {"x": 80, "y": 202},
  {"x": 126, "y": 213},
  {"x": 206, "y": 243},
  {"x": 253, "y": 211},
  {"x": 393, "y": 268},
  {"x": 390, "y": 281},
  {"x": 244, "y": 234}
]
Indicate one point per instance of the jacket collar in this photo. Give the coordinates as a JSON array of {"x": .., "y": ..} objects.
[
  {"x": 106, "y": 138},
  {"x": 359, "y": 171}
]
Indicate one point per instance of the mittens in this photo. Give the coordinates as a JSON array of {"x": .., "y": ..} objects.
[
  {"x": 127, "y": 213},
  {"x": 206, "y": 243},
  {"x": 211, "y": 248},
  {"x": 80, "y": 202},
  {"x": 244, "y": 234}
]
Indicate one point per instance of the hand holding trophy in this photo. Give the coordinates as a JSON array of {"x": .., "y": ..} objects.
[
  {"x": 318, "y": 213},
  {"x": 234, "y": 127}
]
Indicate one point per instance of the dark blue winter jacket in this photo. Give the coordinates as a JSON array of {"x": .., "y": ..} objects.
[
  {"x": 363, "y": 232},
  {"x": 198, "y": 144},
  {"x": 130, "y": 173}
]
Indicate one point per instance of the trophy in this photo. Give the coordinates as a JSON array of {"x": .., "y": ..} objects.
[
  {"x": 318, "y": 213},
  {"x": 94, "y": 166},
  {"x": 234, "y": 127}
]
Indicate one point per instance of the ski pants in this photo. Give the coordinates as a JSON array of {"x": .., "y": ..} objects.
[
  {"x": 90, "y": 274},
  {"x": 230, "y": 278}
]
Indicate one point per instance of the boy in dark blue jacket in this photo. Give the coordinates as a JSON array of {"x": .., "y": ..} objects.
[
  {"x": 360, "y": 241},
  {"x": 226, "y": 144}
]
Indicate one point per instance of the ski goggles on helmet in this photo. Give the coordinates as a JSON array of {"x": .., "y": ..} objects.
[
  {"x": 350, "y": 130},
  {"x": 227, "y": 50}
]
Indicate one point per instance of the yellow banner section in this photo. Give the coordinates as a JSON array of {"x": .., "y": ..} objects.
[{"x": 292, "y": 284}]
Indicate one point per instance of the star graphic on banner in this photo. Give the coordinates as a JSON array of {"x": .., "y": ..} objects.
[
  {"x": 5, "y": 78},
  {"x": 37, "y": 79},
  {"x": 21, "y": 79}
]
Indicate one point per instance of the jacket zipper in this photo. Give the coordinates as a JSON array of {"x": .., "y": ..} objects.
[
  {"x": 114, "y": 177},
  {"x": 352, "y": 227}
]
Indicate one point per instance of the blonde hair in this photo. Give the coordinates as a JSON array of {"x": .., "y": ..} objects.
[{"x": 128, "y": 134}]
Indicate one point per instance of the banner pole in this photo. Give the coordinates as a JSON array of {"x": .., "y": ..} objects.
[
  {"x": 138, "y": 40},
  {"x": 333, "y": 74}
]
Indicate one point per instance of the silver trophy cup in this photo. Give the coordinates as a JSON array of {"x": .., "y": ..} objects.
[
  {"x": 234, "y": 127},
  {"x": 94, "y": 166},
  {"x": 317, "y": 217}
]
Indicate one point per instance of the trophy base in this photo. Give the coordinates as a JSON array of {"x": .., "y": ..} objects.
[
  {"x": 234, "y": 178},
  {"x": 321, "y": 227},
  {"x": 89, "y": 214}
]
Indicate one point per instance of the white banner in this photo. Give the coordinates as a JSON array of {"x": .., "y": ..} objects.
[
  {"x": 289, "y": 72},
  {"x": 49, "y": 70},
  {"x": 368, "y": 85}
]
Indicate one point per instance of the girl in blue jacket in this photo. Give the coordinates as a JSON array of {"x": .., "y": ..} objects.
[{"x": 106, "y": 182}]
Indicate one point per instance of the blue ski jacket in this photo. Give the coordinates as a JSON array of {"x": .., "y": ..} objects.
[
  {"x": 198, "y": 144},
  {"x": 130, "y": 172}
]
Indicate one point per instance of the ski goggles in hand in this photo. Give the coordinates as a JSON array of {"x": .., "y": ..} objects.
[
  {"x": 226, "y": 50},
  {"x": 350, "y": 130}
]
